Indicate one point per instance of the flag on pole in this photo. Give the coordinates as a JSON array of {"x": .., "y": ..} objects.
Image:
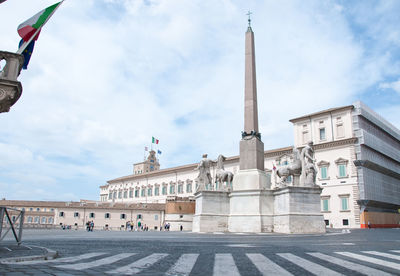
[
  {"x": 27, "y": 53},
  {"x": 154, "y": 140},
  {"x": 28, "y": 28},
  {"x": 159, "y": 151},
  {"x": 146, "y": 148}
]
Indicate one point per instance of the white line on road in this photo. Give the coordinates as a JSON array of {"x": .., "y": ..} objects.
[
  {"x": 350, "y": 265},
  {"x": 8, "y": 248},
  {"x": 225, "y": 265},
  {"x": 387, "y": 255},
  {"x": 266, "y": 266},
  {"x": 307, "y": 265},
  {"x": 184, "y": 265},
  {"x": 395, "y": 251},
  {"x": 370, "y": 260},
  {"x": 62, "y": 260},
  {"x": 139, "y": 265},
  {"x": 104, "y": 261}
]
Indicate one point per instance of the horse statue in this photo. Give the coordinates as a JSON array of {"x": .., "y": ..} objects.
[
  {"x": 222, "y": 175},
  {"x": 291, "y": 169}
]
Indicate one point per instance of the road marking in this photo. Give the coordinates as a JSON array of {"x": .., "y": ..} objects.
[
  {"x": 184, "y": 265},
  {"x": 30, "y": 248},
  {"x": 350, "y": 265},
  {"x": 139, "y": 265},
  {"x": 8, "y": 248},
  {"x": 395, "y": 251},
  {"x": 370, "y": 260},
  {"x": 62, "y": 260},
  {"x": 387, "y": 255},
  {"x": 241, "y": 245},
  {"x": 307, "y": 265},
  {"x": 266, "y": 266},
  {"x": 104, "y": 261},
  {"x": 225, "y": 265}
]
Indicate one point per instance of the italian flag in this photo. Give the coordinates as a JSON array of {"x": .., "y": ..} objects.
[
  {"x": 28, "y": 28},
  {"x": 154, "y": 140}
]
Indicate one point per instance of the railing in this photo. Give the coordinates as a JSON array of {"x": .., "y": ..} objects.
[{"x": 14, "y": 223}]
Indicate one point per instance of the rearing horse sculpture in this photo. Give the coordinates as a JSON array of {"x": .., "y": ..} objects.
[
  {"x": 222, "y": 175},
  {"x": 292, "y": 169}
]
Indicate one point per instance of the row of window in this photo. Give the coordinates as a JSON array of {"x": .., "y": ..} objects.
[
  {"x": 149, "y": 191},
  {"x": 42, "y": 220},
  {"x": 106, "y": 215},
  {"x": 344, "y": 203},
  {"x": 341, "y": 170},
  {"x": 322, "y": 130},
  {"x": 38, "y": 209}
]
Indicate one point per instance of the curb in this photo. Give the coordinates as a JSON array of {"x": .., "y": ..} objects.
[{"x": 49, "y": 255}]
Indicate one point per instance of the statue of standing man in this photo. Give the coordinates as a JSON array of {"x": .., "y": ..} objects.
[
  {"x": 204, "y": 178},
  {"x": 308, "y": 169}
]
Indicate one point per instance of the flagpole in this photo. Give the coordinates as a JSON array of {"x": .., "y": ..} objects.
[{"x": 25, "y": 44}]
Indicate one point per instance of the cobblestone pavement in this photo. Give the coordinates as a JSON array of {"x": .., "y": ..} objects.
[{"x": 362, "y": 252}]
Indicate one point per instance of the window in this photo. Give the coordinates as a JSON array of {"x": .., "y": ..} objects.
[
  {"x": 139, "y": 216},
  {"x": 13, "y": 218},
  {"x": 180, "y": 216},
  {"x": 31, "y": 209},
  {"x": 36, "y": 220},
  {"x": 322, "y": 134},
  {"x": 156, "y": 191},
  {"x": 326, "y": 222},
  {"x": 107, "y": 215},
  {"x": 345, "y": 222},
  {"x": 143, "y": 192},
  {"x": 136, "y": 193},
  {"x": 125, "y": 194},
  {"x": 164, "y": 190},
  {"x": 324, "y": 172},
  {"x": 155, "y": 217},
  {"x": 130, "y": 193},
  {"x": 61, "y": 214},
  {"x": 44, "y": 220},
  {"x": 325, "y": 204},
  {"x": 189, "y": 188},
  {"x": 91, "y": 215},
  {"x": 52, "y": 210},
  {"x": 50, "y": 220},
  {"x": 123, "y": 216},
  {"x": 23, "y": 209},
  {"x": 110, "y": 195},
  {"x": 180, "y": 188},
  {"x": 30, "y": 219},
  {"x": 342, "y": 170},
  {"x": 151, "y": 160},
  {"x": 38, "y": 209},
  {"x": 149, "y": 192},
  {"x": 344, "y": 203},
  {"x": 119, "y": 194},
  {"x": 172, "y": 189},
  {"x": 76, "y": 215},
  {"x": 114, "y": 195}
]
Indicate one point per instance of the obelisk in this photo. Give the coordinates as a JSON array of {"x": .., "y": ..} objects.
[
  {"x": 251, "y": 200},
  {"x": 251, "y": 146}
]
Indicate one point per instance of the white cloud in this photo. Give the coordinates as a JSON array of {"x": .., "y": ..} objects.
[
  {"x": 107, "y": 75},
  {"x": 395, "y": 85}
]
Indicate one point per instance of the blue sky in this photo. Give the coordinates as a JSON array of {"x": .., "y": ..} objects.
[{"x": 107, "y": 75}]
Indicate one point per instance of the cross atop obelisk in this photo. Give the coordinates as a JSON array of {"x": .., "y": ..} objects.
[{"x": 251, "y": 147}]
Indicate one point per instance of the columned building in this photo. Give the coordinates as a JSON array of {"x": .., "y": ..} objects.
[{"x": 357, "y": 154}]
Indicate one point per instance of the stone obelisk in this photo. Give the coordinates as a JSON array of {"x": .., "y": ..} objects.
[{"x": 251, "y": 203}]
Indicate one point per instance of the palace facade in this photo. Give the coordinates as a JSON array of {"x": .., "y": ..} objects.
[{"x": 357, "y": 153}]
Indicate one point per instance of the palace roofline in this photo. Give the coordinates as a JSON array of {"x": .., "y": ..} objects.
[{"x": 321, "y": 113}]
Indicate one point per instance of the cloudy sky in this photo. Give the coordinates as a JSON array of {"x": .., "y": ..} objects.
[{"x": 107, "y": 75}]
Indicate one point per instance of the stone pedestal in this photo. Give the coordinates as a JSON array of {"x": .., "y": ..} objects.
[
  {"x": 212, "y": 211},
  {"x": 10, "y": 88},
  {"x": 298, "y": 210},
  {"x": 251, "y": 153}
]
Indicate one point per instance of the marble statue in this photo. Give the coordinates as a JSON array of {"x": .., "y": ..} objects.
[
  {"x": 222, "y": 175},
  {"x": 293, "y": 169},
  {"x": 204, "y": 178},
  {"x": 308, "y": 169}
]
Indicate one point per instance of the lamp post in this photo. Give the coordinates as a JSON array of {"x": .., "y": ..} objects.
[{"x": 10, "y": 87}]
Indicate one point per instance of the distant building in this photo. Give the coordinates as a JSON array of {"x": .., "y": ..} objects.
[
  {"x": 105, "y": 216},
  {"x": 358, "y": 162}
]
